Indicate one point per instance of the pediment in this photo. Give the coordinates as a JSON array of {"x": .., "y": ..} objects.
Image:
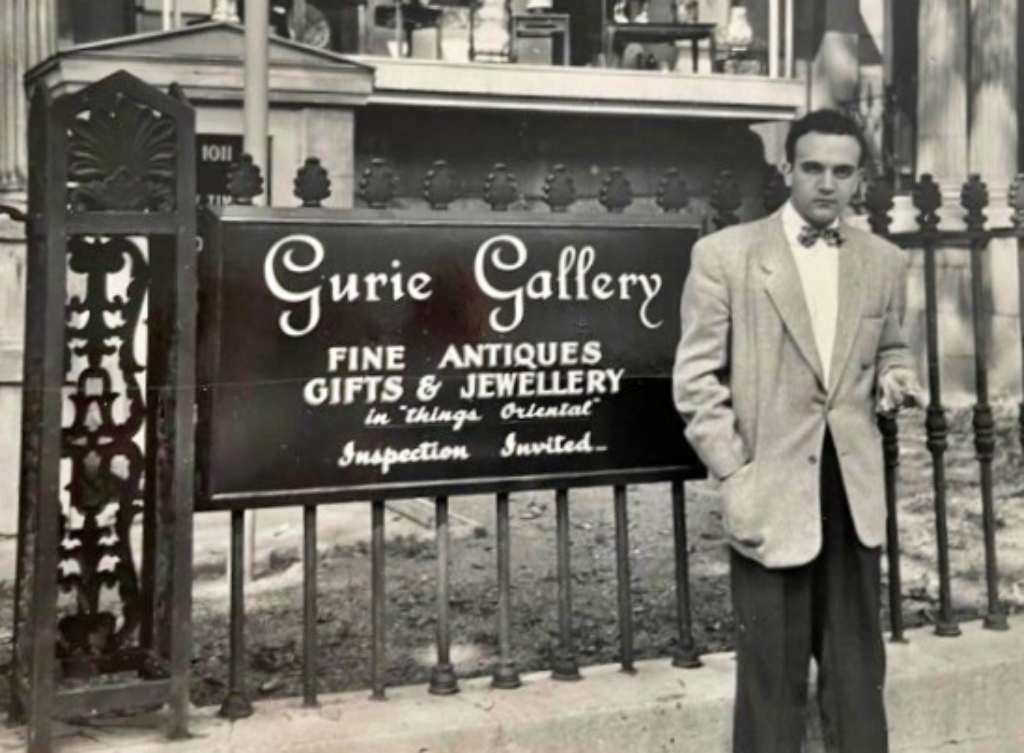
[{"x": 215, "y": 41}]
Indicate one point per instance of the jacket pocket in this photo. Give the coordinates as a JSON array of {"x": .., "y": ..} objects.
[{"x": 742, "y": 511}]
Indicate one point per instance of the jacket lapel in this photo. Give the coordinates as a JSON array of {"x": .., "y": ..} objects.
[
  {"x": 851, "y": 303},
  {"x": 782, "y": 283}
]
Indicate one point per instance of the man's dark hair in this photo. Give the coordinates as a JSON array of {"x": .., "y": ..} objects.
[{"x": 825, "y": 121}]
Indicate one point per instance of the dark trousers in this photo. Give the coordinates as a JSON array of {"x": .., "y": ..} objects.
[{"x": 827, "y": 609}]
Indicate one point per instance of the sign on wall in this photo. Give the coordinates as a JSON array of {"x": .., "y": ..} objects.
[
  {"x": 215, "y": 154},
  {"x": 356, "y": 355}
]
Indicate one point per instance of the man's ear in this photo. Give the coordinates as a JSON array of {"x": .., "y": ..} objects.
[{"x": 787, "y": 173}]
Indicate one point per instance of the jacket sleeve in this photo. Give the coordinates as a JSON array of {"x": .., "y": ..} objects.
[
  {"x": 892, "y": 346},
  {"x": 700, "y": 377}
]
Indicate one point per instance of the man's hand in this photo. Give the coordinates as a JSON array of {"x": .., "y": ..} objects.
[{"x": 898, "y": 388}]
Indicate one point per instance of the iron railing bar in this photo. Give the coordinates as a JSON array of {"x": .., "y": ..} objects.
[
  {"x": 377, "y": 612},
  {"x": 1019, "y": 225},
  {"x": 623, "y": 575},
  {"x": 442, "y": 676},
  {"x": 236, "y": 704},
  {"x": 565, "y": 666},
  {"x": 686, "y": 654},
  {"x": 937, "y": 430},
  {"x": 506, "y": 676},
  {"x": 891, "y": 452},
  {"x": 309, "y": 616},
  {"x": 984, "y": 442},
  {"x": 1018, "y": 220}
]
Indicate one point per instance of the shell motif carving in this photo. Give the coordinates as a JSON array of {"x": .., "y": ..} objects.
[{"x": 122, "y": 158}]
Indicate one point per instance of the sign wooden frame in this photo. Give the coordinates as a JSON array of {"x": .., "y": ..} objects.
[{"x": 254, "y": 343}]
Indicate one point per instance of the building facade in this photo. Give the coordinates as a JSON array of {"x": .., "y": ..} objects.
[{"x": 641, "y": 85}]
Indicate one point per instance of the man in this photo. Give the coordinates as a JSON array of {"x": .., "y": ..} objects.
[{"x": 791, "y": 341}]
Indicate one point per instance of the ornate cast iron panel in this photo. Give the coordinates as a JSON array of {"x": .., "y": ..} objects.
[
  {"x": 107, "y": 427},
  {"x": 103, "y": 495}
]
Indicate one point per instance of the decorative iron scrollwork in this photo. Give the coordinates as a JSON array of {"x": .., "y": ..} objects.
[
  {"x": 440, "y": 185},
  {"x": 878, "y": 199},
  {"x": 122, "y": 157},
  {"x": 104, "y": 491},
  {"x": 927, "y": 199},
  {"x": 776, "y": 192},
  {"x": 616, "y": 192},
  {"x": 726, "y": 199},
  {"x": 559, "y": 189},
  {"x": 974, "y": 199},
  {"x": 312, "y": 185},
  {"x": 244, "y": 180},
  {"x": 673, "y": 193},
  {"x": 1015, "y": 200},
  {"x": 378, "y": 184},
  {"x": 501, "y": 189}
]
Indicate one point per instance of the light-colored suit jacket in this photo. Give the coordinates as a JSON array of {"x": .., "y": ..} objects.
[{"x": 749, "y": 384}]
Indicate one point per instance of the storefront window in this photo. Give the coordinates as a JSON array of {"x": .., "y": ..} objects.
[{"x": 685, "y": 36}]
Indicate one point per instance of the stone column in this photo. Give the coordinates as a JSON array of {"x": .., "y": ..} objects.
[
  {"x": 993, "y": 88},
  {"x": 942, "y": 93},
  {"x": 835, "y": 69},
  {"x": 28, "y": 34},
  {"x": 992, "y": 153}
]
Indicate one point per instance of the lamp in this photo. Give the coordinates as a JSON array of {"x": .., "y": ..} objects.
[{"x": 739, "y": 34}]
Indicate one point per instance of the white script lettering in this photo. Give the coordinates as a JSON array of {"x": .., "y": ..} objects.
[
  {"x": 372, "y": 286},
  {"x": 571, "y": 282},
  {"x": 556, "y": 444},
  {"x": 385, "y": 457}
]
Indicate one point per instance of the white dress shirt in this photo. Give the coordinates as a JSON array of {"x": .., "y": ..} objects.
[{"x": 818, "y": 267}]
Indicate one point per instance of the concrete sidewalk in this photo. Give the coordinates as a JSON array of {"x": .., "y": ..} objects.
[{"x": 962, "y": 695}]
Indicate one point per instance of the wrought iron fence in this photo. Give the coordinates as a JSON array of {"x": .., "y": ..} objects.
[
  {"x": 441, "y": 187},
  {"x": 84, "y": 212}
]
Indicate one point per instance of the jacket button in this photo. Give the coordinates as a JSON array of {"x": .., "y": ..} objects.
[{"x": 812, "y": 459}]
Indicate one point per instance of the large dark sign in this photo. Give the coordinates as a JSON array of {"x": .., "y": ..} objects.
[{"x": 355, "y": 355}]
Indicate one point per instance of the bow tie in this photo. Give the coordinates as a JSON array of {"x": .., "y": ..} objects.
[{"x": 809, "y": 235}]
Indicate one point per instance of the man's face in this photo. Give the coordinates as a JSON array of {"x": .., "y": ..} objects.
[{"x": 824, "y": 176}]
